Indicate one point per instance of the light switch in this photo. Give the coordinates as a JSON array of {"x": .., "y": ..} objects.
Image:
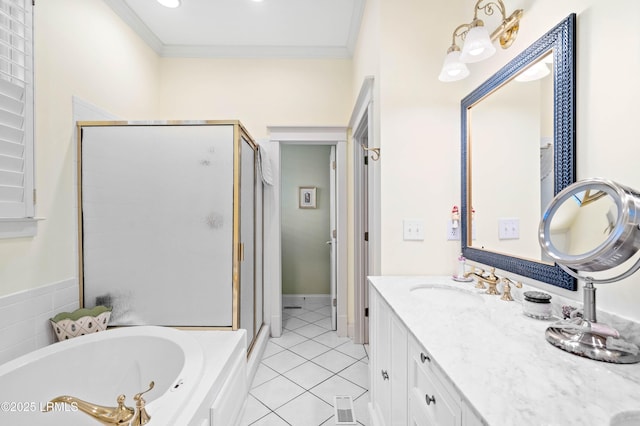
[
  {"x": 509, "y": 228},
  {"x": 413, "y": 230}
]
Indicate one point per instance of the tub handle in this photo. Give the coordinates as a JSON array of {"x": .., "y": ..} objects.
[{"x": 141, "y": 417}]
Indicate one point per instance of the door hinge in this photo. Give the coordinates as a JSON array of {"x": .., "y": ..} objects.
[
  {"x": 366, "y": 312},
  {"x": 335, "y": 302},
  {"x": 333, "y": 165},
  {"x": 34, "y": 196},
  {"x": 366, "y": 236}
]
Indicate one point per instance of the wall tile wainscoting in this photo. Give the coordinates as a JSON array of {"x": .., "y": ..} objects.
[{"x": 301, "y": 372}]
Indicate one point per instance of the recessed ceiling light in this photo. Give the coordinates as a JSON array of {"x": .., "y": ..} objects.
[{"x": 170, "y": 3}]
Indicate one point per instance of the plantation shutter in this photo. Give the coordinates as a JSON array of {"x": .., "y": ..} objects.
[{"x": 16, "y": 109}]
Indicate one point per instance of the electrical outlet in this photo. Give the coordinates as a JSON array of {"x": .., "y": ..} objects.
[
  {"x": 508, "y": 228},
  {"x": 413, "y": 230},
  {"x": 453, "y": 234}
]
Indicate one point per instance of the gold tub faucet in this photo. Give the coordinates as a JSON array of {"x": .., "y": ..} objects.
[{"x": 120, "y": 415}]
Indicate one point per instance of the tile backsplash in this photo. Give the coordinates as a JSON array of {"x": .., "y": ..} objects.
[{"x": 24, "y": 317}]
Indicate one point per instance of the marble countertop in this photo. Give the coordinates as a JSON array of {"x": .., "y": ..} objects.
[{"x": 500, "y": 362}]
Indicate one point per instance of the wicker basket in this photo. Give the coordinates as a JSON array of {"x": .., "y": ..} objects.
[{"x": 80, "y": 322}]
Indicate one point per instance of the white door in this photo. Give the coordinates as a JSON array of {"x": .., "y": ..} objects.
[{"x": 332, "y": 237}]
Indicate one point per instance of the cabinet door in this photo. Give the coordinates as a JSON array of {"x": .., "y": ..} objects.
[
  {"x": 379, "y": 340},
  {"x": 388, "y": 343},
  {"x": 432, "y": 401},
  {"x": 398, "y": 373}
]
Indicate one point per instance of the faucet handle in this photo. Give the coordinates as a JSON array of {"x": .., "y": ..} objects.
[
  {"x": 141, "y": 417},
  {"x": 138, "y": 397},
  {"x": 506, "y": 292}
]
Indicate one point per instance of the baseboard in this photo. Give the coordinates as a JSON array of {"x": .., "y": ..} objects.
[{"x": 305, "y": 300}]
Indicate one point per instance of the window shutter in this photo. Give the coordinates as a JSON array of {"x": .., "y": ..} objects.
[{"x": 16, "y": 109}]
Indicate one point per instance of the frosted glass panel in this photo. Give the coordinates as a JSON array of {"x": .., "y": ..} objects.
[
  {"x": 247, "y": 236},
  {"x": 158, "y": 223}
]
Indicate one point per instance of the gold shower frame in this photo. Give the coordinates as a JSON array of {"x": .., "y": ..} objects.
[{"x": 239, "y": 134}]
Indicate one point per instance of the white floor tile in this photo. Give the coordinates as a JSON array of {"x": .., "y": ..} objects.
[
  {"x": 270, "y": 420},
  {"x": 285, "y": 373},
  {"x": 271, "y": 349},
  {"x": 352, "y": 349},
  {"x": 308, "y": 375},
  {"x": 311, "y": 316},
  {"x": 315, "y": 305},
  {"x": 357, "y": 373},
  {"x": 276, "y": 392},
  {"x": 288, "y": 339},
  {"x": 263, "y": 374},
  {"x": 309, "y": 349},
  {"x": 324, "y": 323},
  {"x": 311, "y": 331},
  {"x": 336, "y": 386},
  {"x": 325, "y": 310},
  {"x": 293, "y": 323},
  {"x": 297, "y": 312},
  {"x": 361, "y": 409},
  {"x": 306, "y": 410},
  {"x": 331, "y": 339},
  {"x": 283, "y": 361},
  {"x": 334, "y": 361},
  {"x": 253, "y": 411}
]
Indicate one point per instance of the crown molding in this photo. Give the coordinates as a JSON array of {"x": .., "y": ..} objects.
[{"x": 125, "y": 13}]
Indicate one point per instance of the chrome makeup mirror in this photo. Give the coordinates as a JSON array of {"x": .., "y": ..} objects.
[
  {"x": 503, "y": 124},
  {"x": 591, "y": 226}
]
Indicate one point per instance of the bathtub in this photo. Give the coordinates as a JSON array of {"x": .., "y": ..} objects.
[{"x": 200, "y": 376}]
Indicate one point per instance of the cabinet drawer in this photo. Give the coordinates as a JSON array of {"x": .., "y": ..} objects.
[
  {"x": 432, "y": 400},
  {"x": 429, "y": 397}
]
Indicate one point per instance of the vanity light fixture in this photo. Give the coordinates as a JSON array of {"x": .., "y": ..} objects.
[
  {"x": 478, "y": 43},
  {"x": 170, "y": 3},
  {"x": 534, "y": 72}
]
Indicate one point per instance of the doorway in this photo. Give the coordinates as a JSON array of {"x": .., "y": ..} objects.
[
  {"x": 307, "y": 223},
  {"x": 308, "y": 136}
]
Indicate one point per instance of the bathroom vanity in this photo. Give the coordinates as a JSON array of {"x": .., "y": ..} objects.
[{"x": 444, "y": 353}]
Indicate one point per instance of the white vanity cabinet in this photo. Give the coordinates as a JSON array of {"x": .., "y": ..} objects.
[
  {"x": 432, "y": 400},
  {"x": 388, "y": 366},
  {"x": 407, "y": 386}
]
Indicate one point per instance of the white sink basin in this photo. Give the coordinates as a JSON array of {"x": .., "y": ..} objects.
[
  {"x": 445, "y": 295},
  {"x": 626, "y": 418}
]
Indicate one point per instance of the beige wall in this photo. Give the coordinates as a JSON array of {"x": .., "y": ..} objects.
[
  {"x": 259, "y": 92},
  {"x": 84, "y": 50},
  {"x": 402, "y": 44},
  {"x": 306, "y": 257}
]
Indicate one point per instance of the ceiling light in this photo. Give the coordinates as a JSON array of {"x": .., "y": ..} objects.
[
  {"x": 169, "y": 3},
  {"x": 478, "y": 43}
]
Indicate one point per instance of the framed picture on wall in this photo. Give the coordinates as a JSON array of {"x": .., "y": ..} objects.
[{"x": 307, "y": 197}]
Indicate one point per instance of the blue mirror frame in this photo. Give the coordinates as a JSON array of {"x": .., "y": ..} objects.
[{"x": 561, "y": 40}]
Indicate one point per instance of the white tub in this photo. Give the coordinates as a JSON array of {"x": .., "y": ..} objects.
[{"x": 191, "y": 370}]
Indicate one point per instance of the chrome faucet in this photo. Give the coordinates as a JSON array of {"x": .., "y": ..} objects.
[{"x": 110, "y": 416}]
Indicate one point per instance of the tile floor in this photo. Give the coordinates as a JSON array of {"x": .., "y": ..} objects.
[{"x": 302, "y": 371}]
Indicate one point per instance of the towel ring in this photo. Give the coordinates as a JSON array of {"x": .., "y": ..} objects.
[{"x": 376, "y": 152}]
